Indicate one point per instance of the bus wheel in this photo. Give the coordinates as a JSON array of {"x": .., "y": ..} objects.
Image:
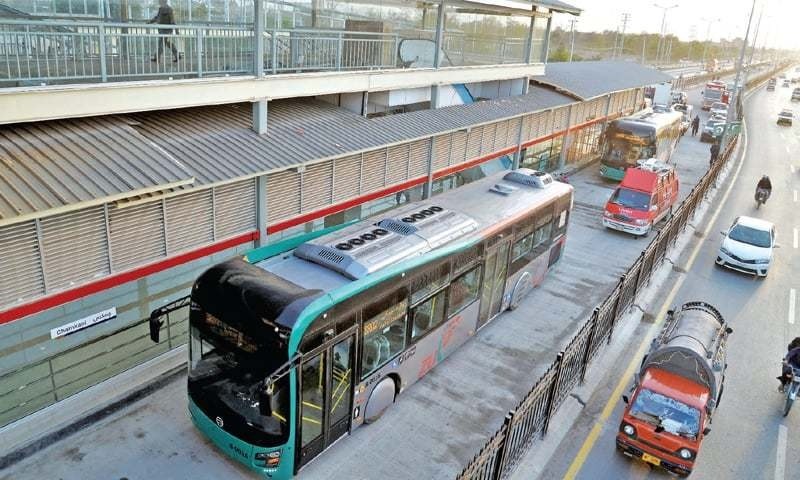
[{"x": 381, "y": 398}]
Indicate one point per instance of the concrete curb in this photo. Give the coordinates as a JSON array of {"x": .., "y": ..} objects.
[{"x": 44, "y": 427}]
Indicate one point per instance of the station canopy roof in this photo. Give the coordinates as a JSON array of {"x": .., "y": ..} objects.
[
  {"x": 585, "y": 80},
  {"x": 67, "y": 164}
]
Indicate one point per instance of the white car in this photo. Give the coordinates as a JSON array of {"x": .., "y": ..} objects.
[
  {"x": 719, "y": 108},
  {"x": 747, "y": 246}
]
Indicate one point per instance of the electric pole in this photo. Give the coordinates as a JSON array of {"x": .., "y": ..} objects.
[
  {"x": 708, "y": 36},
  {"x": 692, "y": 37},
  {"x": 626, "y": 17},
  {"x": 572, "y": 23},
  {"x": 733, "y": 112},
  {"x": 755, "y": 35}
]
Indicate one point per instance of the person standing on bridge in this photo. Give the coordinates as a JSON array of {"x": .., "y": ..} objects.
[
  {"x": 165, "y": 16},
  {"x": 695, "y": 125}
]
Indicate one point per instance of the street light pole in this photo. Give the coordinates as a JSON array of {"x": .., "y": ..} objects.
[
  {"x": 733, "y": 109},
  {"x": 755, "y": 36},
  {"x": 572, "y": 43},
  {"x": 708, "y": 35},
  {"x": 659, "y": 52}
]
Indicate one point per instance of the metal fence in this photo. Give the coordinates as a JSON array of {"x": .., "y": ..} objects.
[
  {"x": 37, "y": 52},
  {"x": 529, "y": 420}
]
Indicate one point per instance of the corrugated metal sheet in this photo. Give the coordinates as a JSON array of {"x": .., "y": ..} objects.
[
  {"x": 216, "y": 143},
  {"x": 590, "y": 79},
  {"x": 137, "y": 235},
  {"x": 20, "y": 269},
  {"x": 75, "y": 247},
  {"x": 234, "y": 209},
  {"x": 190, "y": 221},
  {"x": 46, "y": 166}
]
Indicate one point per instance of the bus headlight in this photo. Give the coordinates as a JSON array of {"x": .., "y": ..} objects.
[
  {"x": 270, "y": 459},
  {"x": 685, "y": 453}
]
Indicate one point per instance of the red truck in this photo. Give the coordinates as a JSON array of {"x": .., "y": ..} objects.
[
  {"x": 677, "y": 390},
  {"x": 645, "y": 196},
  {"x": 715, "y": 91}
]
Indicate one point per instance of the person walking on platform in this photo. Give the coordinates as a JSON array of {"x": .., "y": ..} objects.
[
  {"x": 165, "y": 16},
  {"x": 714, "y": 152},
  {"x": 695, "y": 125}
]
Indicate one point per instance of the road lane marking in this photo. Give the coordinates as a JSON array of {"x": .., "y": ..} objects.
[
  {"x": 791, "y": 167},
  {"x": 792, "y": 301},
  {"x": 794, "y": 194},
  {"x": 788, "y": 151},
  {"x": 780, "y": 457},
  {"x": 591, "y": 439},
  {"x": 794, "y": 240}
]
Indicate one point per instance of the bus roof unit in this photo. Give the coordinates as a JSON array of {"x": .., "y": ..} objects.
[{"x": 692, "y": 345}]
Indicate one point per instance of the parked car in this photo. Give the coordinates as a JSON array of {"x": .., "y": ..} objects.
[
  {"x": 718, "y": 109},
  {"x": 645, "y": 196},
  {"x": 796, "y": 94},
  {"x": 679, "y": 97},
  {"x": 785, "y": 117},
  {"x": 686, "y": 110},
  {"x": 771, "y": 85},
  {"x": 747, "y": 246},
  {"x": 786, "y": 83},
  {"x": 712, "y": 129}
]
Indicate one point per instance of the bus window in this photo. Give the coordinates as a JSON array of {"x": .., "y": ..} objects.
[
  {"x": 544, "y": 227},
  {"x": 427, "y": 315},
  {"x": 463, "y": 291},
  {"x": 384, "y": 332},
  {"x": 428, "y": 282},
  {"x": 519, "y": 253}
]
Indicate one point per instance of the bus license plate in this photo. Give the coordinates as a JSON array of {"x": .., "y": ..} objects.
[{"x": 651, "y": 459}]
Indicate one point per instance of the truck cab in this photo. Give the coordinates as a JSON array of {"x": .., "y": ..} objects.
[
  {"x": 645, "y": 196},
  {"x": 677, "y": 390}
]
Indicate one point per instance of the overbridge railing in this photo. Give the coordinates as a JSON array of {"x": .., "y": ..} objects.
[{"x": 34, "y": 52}]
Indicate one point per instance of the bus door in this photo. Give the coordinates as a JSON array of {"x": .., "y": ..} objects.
[
  {"x": 494, "y": 277},
  {"x": 326, "y": 395}
]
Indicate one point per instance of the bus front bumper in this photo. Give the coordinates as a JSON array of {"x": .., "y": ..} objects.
[{"x": 240, "y": 451}]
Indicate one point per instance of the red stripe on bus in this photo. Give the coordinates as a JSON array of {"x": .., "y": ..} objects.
[{"x": 111, "y": 281}]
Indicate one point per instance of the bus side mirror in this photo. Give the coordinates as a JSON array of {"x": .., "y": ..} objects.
[
  {"x": 728, "y": 330},
  {"x": 625, "y": 398},
  {"x": 155, "y": 328},
  {"x": 706, "y": 430}
]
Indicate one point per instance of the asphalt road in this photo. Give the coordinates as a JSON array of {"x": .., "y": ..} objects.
[
  {"x": 750, "y": 439},
  {"x": 438, "y": 424}
]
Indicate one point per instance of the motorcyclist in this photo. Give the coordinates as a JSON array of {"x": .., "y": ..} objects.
[
  {"x": 764, "y": 184},
  {"x": 792, "y": 359}
]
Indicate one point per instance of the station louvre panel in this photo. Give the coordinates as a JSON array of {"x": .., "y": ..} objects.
[{"x": 53, "y": 254}]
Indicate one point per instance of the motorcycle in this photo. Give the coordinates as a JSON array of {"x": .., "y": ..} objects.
[
  {"x": 761, "y": 197},
  {"x": 791, "y": 390}
]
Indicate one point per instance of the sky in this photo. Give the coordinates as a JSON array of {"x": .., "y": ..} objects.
[{"x": 779, "y": 22}]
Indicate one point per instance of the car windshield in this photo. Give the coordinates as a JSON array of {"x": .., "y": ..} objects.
[
  {"x": 631, "y": 199},
  {"x": 673, "y": 416},
  {"x": 786, "y": 113},
  {"x": 750, "y": 236}
]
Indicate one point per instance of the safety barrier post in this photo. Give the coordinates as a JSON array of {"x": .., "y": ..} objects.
[
  {"x": 502, "y": 452},
  {"x": 199, "y": 51},
  {"x": 339, "y": 51},
  {"x": 103, "y": 67},
  {"x": 589, "y": 342},
  {"x": 615, "y": 310},
  {"x": 551, "y": 396}
]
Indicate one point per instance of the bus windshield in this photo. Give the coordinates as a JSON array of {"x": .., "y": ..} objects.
[
  {"x": 225, "y": 382},
  {"x": 631, "y": 199},
  {"x": 624, "y": 148},
  {"x": 712, "y": 94}
]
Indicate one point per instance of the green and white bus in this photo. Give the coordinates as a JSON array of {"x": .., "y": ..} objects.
[
  {"x": 649, "y": 134},
  {"x": 289, "y": 354}
]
